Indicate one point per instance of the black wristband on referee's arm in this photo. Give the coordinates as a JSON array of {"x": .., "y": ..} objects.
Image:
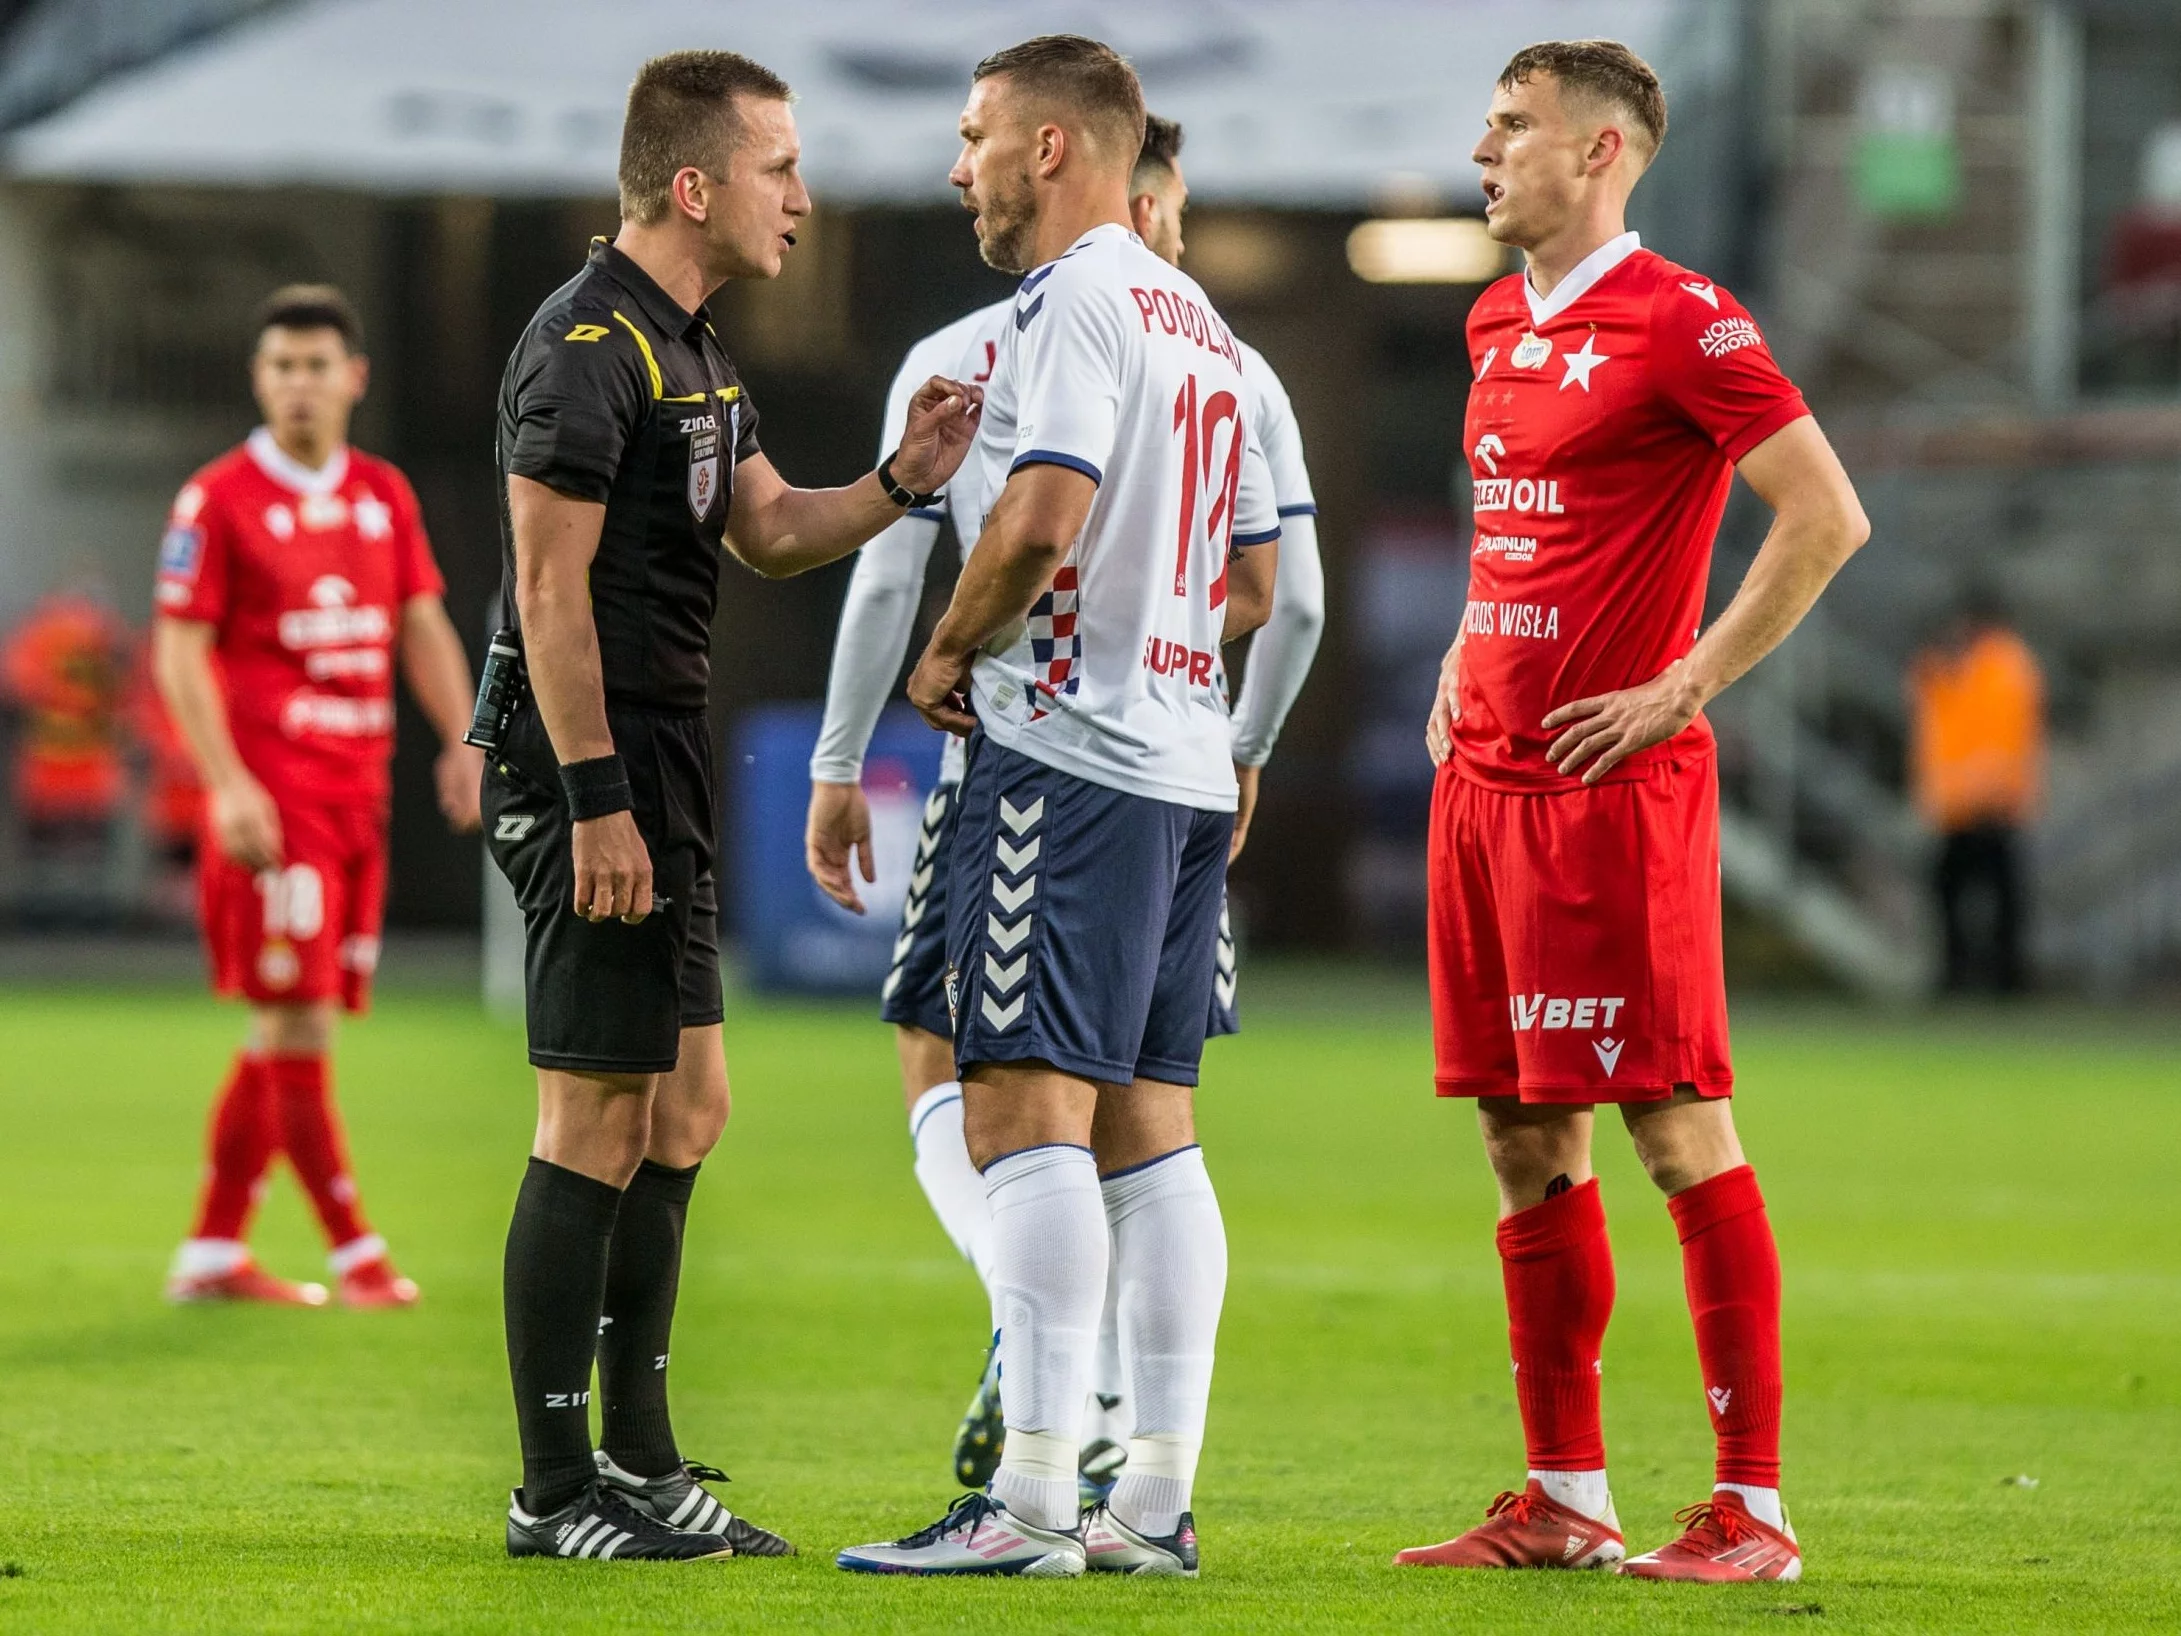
[
  {"x": 597, "y": 788},
  {"x": 898, "y": 492}
]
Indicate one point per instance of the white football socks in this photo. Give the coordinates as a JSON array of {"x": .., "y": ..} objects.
[
  {"x": 949, "y": 1180},
  {"x": 1170, "y": 1249},
  {"x": 1049, "y": 1253},
  {"x": 209, "y": 1257},
  {"x": 1580, "y": 1491},
  {"x": 1108, "y": 1380},
  {"x": 1764, "y": 1503}
]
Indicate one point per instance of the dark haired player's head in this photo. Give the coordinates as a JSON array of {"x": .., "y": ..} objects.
[
  {"x": 1573, "y": 124},
  {"x": 1049, "y": 138},
  {"x": 1158, "y": 192},
  {"x": 710, "y": 161},
  {"x": 308, "y": 370}
]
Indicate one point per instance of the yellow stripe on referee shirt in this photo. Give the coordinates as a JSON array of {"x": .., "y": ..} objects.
[{"x": 658, "y": 381}]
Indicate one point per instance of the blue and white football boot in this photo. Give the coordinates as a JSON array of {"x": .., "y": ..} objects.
[
  {"x": 979, "y": 1536},
  {"x": 1110, "y": 1546}
]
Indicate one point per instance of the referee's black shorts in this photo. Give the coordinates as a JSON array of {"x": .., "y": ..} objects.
[{"x": 613, "y": 998}]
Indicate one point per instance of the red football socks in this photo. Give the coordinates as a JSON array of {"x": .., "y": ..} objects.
[
  {"x": 1732, "y": 1271},
  {"x": 1558, "y": 1267},
  {"x": 241, "y": 1144},
  {"x": 310, "y": 1131}
]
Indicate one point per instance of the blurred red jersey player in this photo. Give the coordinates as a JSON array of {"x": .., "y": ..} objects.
[
  {"x": 294, "y": 571},
  {"x": 1574, "y": 847}
]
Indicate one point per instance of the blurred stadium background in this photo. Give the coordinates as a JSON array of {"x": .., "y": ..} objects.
[{"x": 1960, "y": 221}]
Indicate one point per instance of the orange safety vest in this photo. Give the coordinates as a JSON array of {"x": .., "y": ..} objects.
[
  {"x": 64, "y": 667},
  {"x": 1977, "y": 733}
]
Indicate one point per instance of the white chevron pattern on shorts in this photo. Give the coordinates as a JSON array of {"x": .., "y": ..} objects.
[
  {"x": 1002, "y": 976},
  {"x": 917, "y": 901}
]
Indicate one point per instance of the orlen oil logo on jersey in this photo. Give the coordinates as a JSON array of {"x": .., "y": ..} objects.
[
  {"x": 1519, "y": 494},
  {"x": 333, "y": 618}
]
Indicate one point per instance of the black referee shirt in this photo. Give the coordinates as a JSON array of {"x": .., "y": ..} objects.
[{"x": 617, "y": 394}]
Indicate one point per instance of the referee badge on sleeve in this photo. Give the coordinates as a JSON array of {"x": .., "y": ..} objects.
[{"x": 703, "y": 473}]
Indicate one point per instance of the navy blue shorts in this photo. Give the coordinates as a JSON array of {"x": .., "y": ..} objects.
[
  {"x": 1083, "y": 923},
  {"x": 915, "y": 992}
]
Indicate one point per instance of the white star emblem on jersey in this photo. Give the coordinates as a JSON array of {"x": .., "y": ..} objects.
[{"x": 1580, "y": 364}]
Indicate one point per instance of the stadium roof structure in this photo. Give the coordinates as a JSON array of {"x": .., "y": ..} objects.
[{"x": 1313, "y": 102}]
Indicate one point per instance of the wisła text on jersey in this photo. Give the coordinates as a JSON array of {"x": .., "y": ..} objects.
[{"x": 1532, "y": 619}]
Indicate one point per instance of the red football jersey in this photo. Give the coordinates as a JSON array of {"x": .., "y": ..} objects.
[
  {"x": 1602, "y": 434},
  {"x": 304, "y": 573}
]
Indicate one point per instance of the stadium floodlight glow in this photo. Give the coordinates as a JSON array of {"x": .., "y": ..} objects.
[{"x": 1425, "y": 250}]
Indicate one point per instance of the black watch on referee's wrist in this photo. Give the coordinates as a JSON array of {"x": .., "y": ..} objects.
[{"x": 901, "y": 495}]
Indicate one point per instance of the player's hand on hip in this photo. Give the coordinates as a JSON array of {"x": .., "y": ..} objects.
[
  {"x": 839, "y": 823},
  {"x": 1245, "y": 807},
  {"x": 942, "y": 425},
  {"x": 246, "y": 822},
  {"x": 939, "y": 688},
  {"x": 1446, "y": 709},
  {"x": 459, "y": 776},
  {"x": 613, "y": 869},
  {"x": 1603, "y": 732}
]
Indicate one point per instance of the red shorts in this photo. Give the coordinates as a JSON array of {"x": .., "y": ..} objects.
[
  {"x": 1575, "y": 946},
  {"x": 308, "y": 930}
]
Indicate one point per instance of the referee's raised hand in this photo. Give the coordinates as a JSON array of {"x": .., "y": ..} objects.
[
  {"x": 942, "y": 425},
  {"x": 613, "y": 869}
]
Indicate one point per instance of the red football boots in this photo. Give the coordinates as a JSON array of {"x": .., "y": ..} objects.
[
  {"x": 1722, "y": 1543},
  {"x": 1526, "y": 1530},
  {"x": 245, "y": 1281}
]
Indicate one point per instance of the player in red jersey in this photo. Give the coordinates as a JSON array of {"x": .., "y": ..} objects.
[
  {"x": 1574, "y": 852},
  {"x": 294, "y": 571}
]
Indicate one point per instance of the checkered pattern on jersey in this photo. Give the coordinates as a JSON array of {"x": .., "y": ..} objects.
[{"x": 1053, "y": 647}]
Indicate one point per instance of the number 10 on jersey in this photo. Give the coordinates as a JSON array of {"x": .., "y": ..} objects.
[{"x": 1198, "y": 424}]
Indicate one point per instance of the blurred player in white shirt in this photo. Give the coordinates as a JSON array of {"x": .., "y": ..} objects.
[
  {"x": 1126, "y": 528},
  {"x": 876, "y": 621}
]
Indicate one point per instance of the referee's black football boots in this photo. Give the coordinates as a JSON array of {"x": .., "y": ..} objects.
[
  {"x": 679, "y": 1500},
  {"x": 600, "y": 1525}
]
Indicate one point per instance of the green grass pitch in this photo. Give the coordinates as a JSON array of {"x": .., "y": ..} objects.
[{"x": 1979, "y": 1218}]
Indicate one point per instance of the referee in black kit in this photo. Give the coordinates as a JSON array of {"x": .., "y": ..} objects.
[{"x": 629, "y": 456}]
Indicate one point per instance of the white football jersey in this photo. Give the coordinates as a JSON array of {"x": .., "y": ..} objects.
[
  {"x": 1272, "y": 418},
  {"x": 879, "y": 612},
  {"x": 1116, "y": 365}
]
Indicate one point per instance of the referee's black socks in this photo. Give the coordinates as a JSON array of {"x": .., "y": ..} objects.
[
  {"x": 554, "y": 1288},
  {"x": 643, "y": 1276}
]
